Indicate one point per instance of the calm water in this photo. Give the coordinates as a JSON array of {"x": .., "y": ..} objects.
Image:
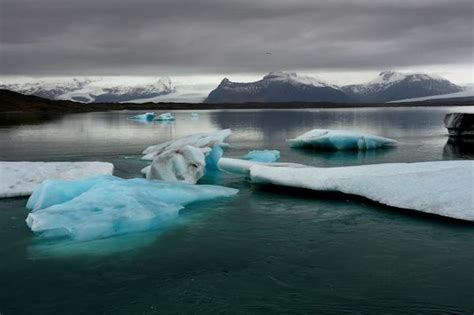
[{"x": 267, "y": 250}]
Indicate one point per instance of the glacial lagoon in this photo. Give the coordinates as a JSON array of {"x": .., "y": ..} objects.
[{"x": 265, "y": 250}]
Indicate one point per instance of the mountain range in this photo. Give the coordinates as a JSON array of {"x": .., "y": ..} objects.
[
  {"x": 92, "y": 91},
  {"x": 291, "y": 87},
  {"x": 277, "y": 87},
  {"x": 391, "y": 86},
  {"x": 274, "y": 87}
]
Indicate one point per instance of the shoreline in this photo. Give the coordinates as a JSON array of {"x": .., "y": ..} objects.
[{"x": 12, "y": 102}]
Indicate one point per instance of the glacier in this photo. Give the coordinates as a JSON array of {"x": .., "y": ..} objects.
[
  {"x": 186, "y": 164},
  {"x": 340, "y": 140},
  {"x": 106, "y": 206},
  {"x": 199, "y": 140},
  {"x": 165, "y": 117},
  {"x": 150, "y": 116},
  {"x": 444, "y": 188},
  {"x": 21, "y": 178},
  {"x": 267, "y": 156}
]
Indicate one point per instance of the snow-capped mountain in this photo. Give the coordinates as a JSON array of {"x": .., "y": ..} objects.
[
  {"x": 391, "y": 85},
  {"x": 47, "y": 89},
  {"x": 277, "y": 87},
  {"x": 89, "y": 90},
  {"x": 128, "y": 93}
]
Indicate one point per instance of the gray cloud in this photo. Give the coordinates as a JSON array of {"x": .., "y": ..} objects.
[{"x": 145, "y": 37}]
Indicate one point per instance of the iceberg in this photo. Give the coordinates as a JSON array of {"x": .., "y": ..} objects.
[
  {"x": 186, "y": 165},
  {"x": 242, "y": 167},
  {"x": 199, "y": 140},
  {"x": 339, "y": 140},
  {"x": 144, "y": 117},
  {"x": 213, "y": 157},
  {"x": 444, "y": 188},
  {"x": 106, "y": 206},
  {"x": 267, "y": 156},
  {"x": 21, "y": 178},
  {"x": 165, "y": 117}
]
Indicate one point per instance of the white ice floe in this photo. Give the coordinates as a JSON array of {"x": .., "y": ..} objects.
[
  {"x": 186, "y": 165},
  {"x": 165, "y": 117},
  {"x": 444, "y": 188},
  {"x": 21, "y": 178},
  {"x": 239, "y": 166},
  {"x": 267, "y": 156},
  {"x": 106, "y": 205},
  {"x": 144, "y": 117},
  {"x": 339, "y": 140},
  {"x": 199, "y": 140}
]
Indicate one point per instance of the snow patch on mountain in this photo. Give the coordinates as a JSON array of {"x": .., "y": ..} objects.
[
  {"x": 391, "y": 85},
  {"x": 93, "y": 90}
]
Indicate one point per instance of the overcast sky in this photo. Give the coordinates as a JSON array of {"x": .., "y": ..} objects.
[{"x": 342, "y": 38}]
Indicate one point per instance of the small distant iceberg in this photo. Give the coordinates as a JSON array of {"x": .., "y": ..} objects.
[
  {"x": 105, "y": 206},
  {"x": 165, "y": 117},
  {"x": 194, "y": 115},
  {"x": 150, "y": 116},
  {"x": 267, "y": 156},
  {"x": 324, "y": 139},
  {"x": 21, "y": 178},
  {"x": 443, "y": 188}
]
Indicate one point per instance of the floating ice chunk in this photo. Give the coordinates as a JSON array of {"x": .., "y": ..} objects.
[
  {"x": 21, "y": 178},
  {"x": 195, "y": 115},
  {"x": 199, "y": 140},
  {"x": 339, "y": 140},
  {"x": 242, "y": 167},
  {"x": 267, "y": 156},
  {"x": 145, "y": 117},
  {"x": 106, "y": 206},
  {"x": 444, "y": 188},
  {"x": 212, "y": 159},
  {"x": 186, "y": 164},
  {"x": 165, "y": 117}
]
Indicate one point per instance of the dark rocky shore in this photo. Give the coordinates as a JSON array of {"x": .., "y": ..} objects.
[{"x": 11, "y": 102}]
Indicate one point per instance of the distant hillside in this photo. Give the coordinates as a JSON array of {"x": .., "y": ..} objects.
[
  {"x": 391, "y": 86},
  {"x": 92, "y": 91},
  {"x": 12, "y": 102},
  {"x": 467, "y": 93},
  {"x": 277, "y": 87}
]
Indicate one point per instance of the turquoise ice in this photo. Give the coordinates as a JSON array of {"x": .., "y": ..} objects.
[
  {"x": 340, "y": 140},
  {"x": 106, "y": 206},
  {"x": 144, "y": 117},
  {"x": 267, "y": 156}
]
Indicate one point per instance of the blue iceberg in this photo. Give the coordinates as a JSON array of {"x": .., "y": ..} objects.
[
  {"x": 340, "y": 140},
  {"x": 144, "y": 117},
  {"x": 213, "y": 157},
  {"x": 106, "y": 206},
  {"x": 266, "y": 156},
  {"x": 165, "y": 117}
]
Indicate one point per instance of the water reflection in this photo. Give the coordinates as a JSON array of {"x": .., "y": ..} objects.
[
  {"x": 459, "y": 147},
  {"x": 42, "y": 249}
]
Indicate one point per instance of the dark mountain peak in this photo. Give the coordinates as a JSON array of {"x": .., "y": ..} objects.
[
  {"x": 389, "y": 74},
  {"x": 225, "y": 81},
  {"x": 277, "y": 87}
]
